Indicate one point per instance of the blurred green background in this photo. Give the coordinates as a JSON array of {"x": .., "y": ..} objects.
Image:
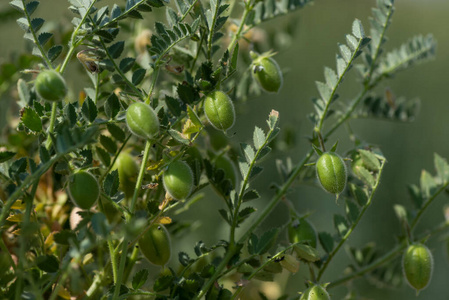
[{"x": 408, "y": 147}]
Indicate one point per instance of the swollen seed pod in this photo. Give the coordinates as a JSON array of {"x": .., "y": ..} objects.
[
  {"x": 417, "y": 265},
  {"x": 301, "y": 230},
  {"x": 127, "y": 172},
  {"x": 356, "y": 164},
  {"x": 331, "y": 172},
  {"x": 155, "y": 245},
  {"x": 50, "y": 85},
  {"x": 178, "y": 180},
  {"x": 266, "y": 72},
  {"x": 142, "y": 120},
  {"x": 219, "y": 110},
  {"x": 315, "y": 292},
  {"x": 83, "y": 189}
]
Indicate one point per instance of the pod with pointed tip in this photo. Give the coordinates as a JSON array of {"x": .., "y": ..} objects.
[
  {"x": 331, "y": 172},
  {"x": 267, "y": 74},
  {"x": 417, "y": 265},
  {"x": 315, "y": 292},
  {"x": 219, "y": 110}
]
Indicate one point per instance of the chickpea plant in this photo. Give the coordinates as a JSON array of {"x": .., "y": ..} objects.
[{"x": 139, "y": 143}]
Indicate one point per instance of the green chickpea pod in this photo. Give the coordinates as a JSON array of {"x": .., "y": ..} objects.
[
  {"x": 417, "y": 264},
  {"x": 142, "y": 120},
  {"x": 219, "y": 110},
  {"x": 266, "y": 72},
  {"x": 83, "y": 189},
  {"x": 50, "y": 86},
  {"x": 331, "y": 172}
]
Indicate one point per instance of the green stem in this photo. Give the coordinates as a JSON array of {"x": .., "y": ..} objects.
[
  {"x": 140, "y": 176},
  {"x": 334, "y": 90},
  {"x": 390, "y": 255},
  {"x": 426, "y": 205},
  {"x": 245, "y": 183},
  {"x": 188, "y": 11},
  {"x": 61, "y": 280},
  {"x": 22, "y": 258},
  {"x": 35, "y": 38},
  {"x": 124, "y": 254},
  {"x": 381, "y": 39},
  {"x": 279, "y": 195},
  {"x": 115, "y": 159},
  {"x": 237, "y": 35},
  {"x": 141, "y": 293},
  {"x": 67, "y": 57},
  {"x": 229, "y": 254},
  {"x": 97, "y": 87},
  {"x": 73, "y": 43},
  {"x": 353, "y": 226},
  {"x": 51, "y": 128},
  {"x": 96, "y": 284},
  {"x": 153, "y": 84},
  {"x": 119, "y": 71},
  {"x": 111, "y": 21},
  {"x": 254, "y": 273},
  {"x": 132, "y": 260},
  {"x": 113, "y": 260},
  {"x": 118, "y": 283},
  {"x": 348, "y": 112},
  {"x": 198, "y": 51},
  {"x": 382, "y": 260},
  {"x": 211, "y": 32}
]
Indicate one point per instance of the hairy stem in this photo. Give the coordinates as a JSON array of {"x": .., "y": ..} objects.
[
  {"x": 51, "y": 128},
  {"x": 353, "y": 226},
  {"x": 387, "y": 257},
  {"x": 113, "y": 260},
  {"x": 426, "y": 205},
  {"x": 124, "y": 249},
  {"x": 73, "y": 42},
  {"x": 238, "y": 33},
  {"x": 153, "y": 84},
  {"x": 187, "y": 11}
]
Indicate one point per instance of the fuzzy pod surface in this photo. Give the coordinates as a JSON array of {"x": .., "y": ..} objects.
[
  {"x": 267, "y": 74},
  {"x": 178, "y": 180},
  {"x": 155, "y": 245},
  {"x": 50, "y": 86},
  {"x": 417, "y": 265},
  {"x": 127, "y": 172},
  {"x": 331, "y": 172},
  {"x": 83, "y": 189},
  {"x": 315, "y": 292},
  {"x": 142, "y": 120},
  {"x": 219, "y": 110}
]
